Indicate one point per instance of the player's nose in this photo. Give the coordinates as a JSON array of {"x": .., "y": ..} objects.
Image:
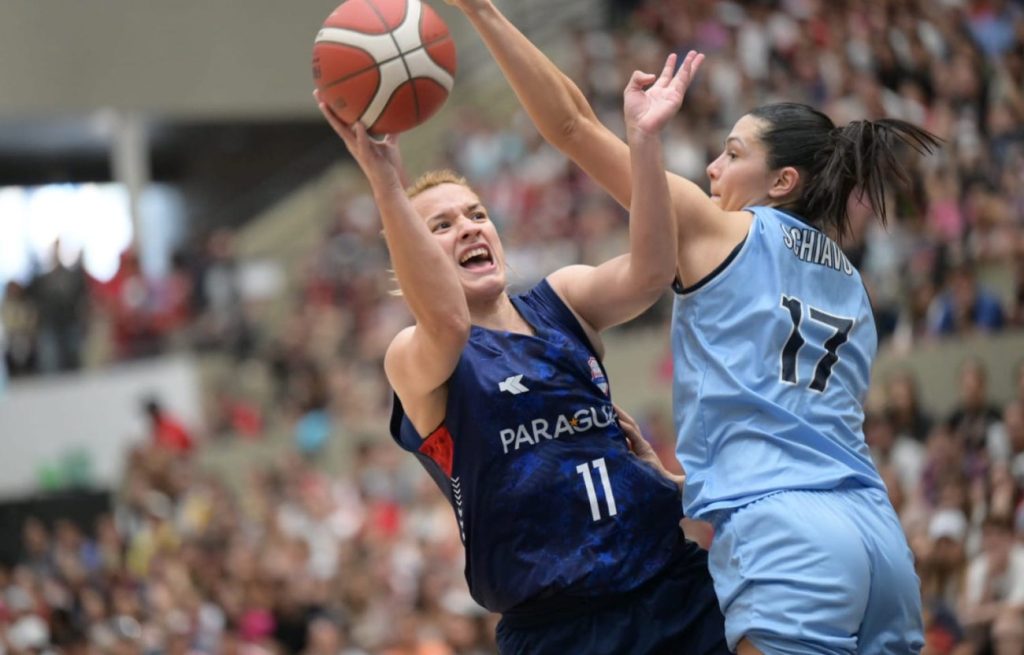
[
  {"x": 468, "y": 229},
  {"x": 712, "y": 170}
]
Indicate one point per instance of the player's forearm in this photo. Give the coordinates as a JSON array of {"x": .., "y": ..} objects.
[
  {"x": 427, "y": 278},
  {"x": 552, "y": 100},
  {"x": 652, "y": 226}
]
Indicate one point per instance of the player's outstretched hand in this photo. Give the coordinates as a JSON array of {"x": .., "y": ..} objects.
[
  {"x": 650, "y": 100},
  {"x": 642, "y": 449},
  {"x": 380, "y": 160}
]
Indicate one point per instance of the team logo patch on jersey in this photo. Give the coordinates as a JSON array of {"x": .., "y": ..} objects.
[
  {"x": 597, "y": 375},
  {"x": 513, "y": 385}
]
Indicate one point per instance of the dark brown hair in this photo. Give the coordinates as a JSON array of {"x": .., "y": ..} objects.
[{"x": 837, "y": 161}]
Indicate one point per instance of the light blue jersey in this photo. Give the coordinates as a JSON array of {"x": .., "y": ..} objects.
[{"x": 773, "y": 354}]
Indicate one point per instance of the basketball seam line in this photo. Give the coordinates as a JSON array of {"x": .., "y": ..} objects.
[
  {"x": 401, "y": 55},
  {"x": 376, "y": 64}
]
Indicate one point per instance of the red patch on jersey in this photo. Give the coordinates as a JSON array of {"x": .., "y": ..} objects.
[{"x": 439, "y": 447}]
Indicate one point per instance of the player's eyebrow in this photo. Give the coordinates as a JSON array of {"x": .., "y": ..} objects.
[{"x": 445, "y": 213}]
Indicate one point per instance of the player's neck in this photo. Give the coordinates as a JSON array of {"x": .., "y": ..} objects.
[{"x": 499, "y": 314}]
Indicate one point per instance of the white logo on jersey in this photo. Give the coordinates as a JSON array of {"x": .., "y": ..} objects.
[
  {"x": 457, "y": 495},
  {"x": 513, "y": 385}
]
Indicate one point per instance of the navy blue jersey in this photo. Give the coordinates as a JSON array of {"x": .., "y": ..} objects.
[{"x": 550, "y": 501}]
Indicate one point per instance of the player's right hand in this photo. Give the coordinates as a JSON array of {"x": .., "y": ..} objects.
[{"x": 380, "y": 160}]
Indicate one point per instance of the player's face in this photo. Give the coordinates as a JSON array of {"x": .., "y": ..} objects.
[
  {"x": 459, "y": 222},
  {"x": 740, "y": 176}
]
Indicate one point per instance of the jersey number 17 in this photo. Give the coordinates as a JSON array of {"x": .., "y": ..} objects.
[{"x": 823, "y": 370}]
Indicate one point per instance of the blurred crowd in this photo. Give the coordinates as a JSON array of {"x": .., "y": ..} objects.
[
  {"x": 300, "y": 561},
  {"x": 957, "y": 481},
  {"x": 295, "y": 561}
]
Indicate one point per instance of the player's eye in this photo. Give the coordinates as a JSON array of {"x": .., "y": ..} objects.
[
  {"x": 440, "y": 226},
  {"x": 479, "y": 216}
]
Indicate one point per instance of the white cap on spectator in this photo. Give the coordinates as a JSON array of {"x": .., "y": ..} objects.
[
  {"x": 949, "y": 523},
  {"x": 29, "y": 632}
]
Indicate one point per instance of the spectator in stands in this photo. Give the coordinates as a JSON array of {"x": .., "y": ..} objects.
[
  {"x": 965, "y": 307},
  {"x": 992, "y": 606},
  {"x": 1013, "y": 426},
  {"x": 124, "y": 298},
  {"x": 972, "y": 419},
  {"x": 166, "y": 431},
  {"x": 941, "y": 565},
  {"x": 903, "y": 407},
  {"x": 894, "y": 452},
  {"x": 1017, "y": 305},
  {"x": 20, "y": 327},
  {"x": 61, "y": 301}
]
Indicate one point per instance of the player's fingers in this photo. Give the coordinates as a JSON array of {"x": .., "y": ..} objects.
[
  {"x": 683, "y": 72},
  {"x": 343, "y": 130},
  {"x": 639, "y": 80},
  {"x": 695, "y": 64},
  {"x": 689, "y": 68},
  {"x": 668, "y": 69},
  {"x": 623, "y": 415},
  {"x": 328, "y": 112},
  {"x": 631, "y": 429},
  {"x": 363, "y": 139}
]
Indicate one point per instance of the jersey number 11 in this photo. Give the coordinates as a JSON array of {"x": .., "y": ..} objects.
[{"x": 588, "y": 482}]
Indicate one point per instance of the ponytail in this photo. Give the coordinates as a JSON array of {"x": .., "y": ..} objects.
[
  {"x": 863, "y": 159},
  {"x": 836, "y": 162}
]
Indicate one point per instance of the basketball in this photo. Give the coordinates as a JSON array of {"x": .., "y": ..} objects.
[{"x": 388, "y": 64}]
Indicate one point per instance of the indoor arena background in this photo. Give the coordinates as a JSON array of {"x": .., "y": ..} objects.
[{"x": 195, "y": 300}]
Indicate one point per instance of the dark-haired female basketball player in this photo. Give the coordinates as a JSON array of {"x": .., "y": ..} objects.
[{"x": 773, "y": 340}]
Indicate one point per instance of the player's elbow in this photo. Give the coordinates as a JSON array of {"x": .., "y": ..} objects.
[
  {"x": 562, "y": 133},
  {"x": 653, "y": 280}
]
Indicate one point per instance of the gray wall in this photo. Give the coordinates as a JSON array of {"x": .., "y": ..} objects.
[
  {"x": 202, "y": 58},
  {"x": 196, "y": 58}
]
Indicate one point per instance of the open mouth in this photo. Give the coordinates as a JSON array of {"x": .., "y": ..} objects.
[{"x": 476, "y": 258}]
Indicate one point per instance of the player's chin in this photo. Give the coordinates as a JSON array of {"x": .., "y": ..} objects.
[{"x": 484, "y": 286}]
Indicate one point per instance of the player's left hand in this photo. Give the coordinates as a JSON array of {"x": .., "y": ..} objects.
[
  {"x": 650, "y": 100},
  {"x": 642, "y": 449}
]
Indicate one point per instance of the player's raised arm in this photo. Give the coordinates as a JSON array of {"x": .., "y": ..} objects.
[
  {"x": 566, "y": 120},
  {"x": 427, "y": 277},
  {"x": 621, "y": 288}
]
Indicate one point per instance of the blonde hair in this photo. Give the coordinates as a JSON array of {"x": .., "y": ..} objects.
[
  {"x": 434, "y": 178},
  {"x": 424, "y": 182}
]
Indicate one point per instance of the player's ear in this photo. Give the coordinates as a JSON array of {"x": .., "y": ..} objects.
[{"x": 784, "y": 182}]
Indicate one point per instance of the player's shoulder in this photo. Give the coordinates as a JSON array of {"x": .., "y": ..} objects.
[
  {"x": 561, "y": 280},
  {"x": 401, "y": 339},
  {"x": 397, "y": 349}
]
